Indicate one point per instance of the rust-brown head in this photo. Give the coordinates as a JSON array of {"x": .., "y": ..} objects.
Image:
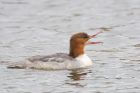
[{"x": 78, "y": 42}]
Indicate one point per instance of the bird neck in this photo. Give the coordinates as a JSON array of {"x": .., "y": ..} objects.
[{"x": 76, "y": 50}]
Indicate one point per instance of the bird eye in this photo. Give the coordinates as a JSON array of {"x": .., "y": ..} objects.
[{"x": 85, "y": 36}]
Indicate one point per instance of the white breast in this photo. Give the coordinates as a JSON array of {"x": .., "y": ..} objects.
[{"x": 84, "y": 60}]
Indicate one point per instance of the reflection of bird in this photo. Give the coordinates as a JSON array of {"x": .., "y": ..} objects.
[
  {"x": 75, "y": 75},
  {"x": 75, "y": 59}
]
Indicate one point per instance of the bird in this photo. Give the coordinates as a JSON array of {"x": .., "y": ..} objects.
[{"x": 77, "y": 58}]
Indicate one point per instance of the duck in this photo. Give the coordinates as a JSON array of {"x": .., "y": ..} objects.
[{"x": 77, "y": 58}]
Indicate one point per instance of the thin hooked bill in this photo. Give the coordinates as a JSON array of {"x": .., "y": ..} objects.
[{"x": 92, "y": 36}]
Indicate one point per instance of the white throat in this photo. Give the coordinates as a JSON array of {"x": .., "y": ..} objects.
[{"x": 84, "y": 60}]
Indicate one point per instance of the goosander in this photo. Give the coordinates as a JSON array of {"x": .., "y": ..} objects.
[{"x": 75, "y": 59}]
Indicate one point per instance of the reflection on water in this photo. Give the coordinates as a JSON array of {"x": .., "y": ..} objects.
[{"x": 78, "y": 74}]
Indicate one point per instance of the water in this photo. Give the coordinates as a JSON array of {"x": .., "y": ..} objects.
[{"x": 43, "y": 27}]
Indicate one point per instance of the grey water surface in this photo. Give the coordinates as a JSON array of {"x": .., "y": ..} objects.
[{"x": 42, "y": 27}]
